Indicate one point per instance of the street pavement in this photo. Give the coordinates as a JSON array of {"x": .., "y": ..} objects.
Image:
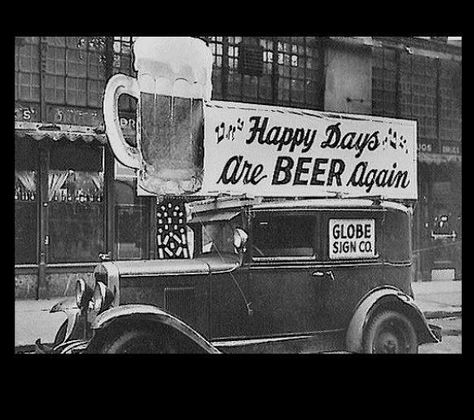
[
  {"x": 438, "y": 300},
  {"x": 451, "y": 330}
]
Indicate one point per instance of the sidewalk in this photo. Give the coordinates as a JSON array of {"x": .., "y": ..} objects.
[
  {"x": 439, "y": 299},
  {"x": 33, "y": 319}
]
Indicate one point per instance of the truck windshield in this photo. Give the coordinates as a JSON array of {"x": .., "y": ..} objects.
[{"x": 218, "y": 237}]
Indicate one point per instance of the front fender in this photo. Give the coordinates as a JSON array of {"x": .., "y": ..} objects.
[
  {"x": 70, "y": 331},
  {"x": 394, "y": 298},
  {"x": 73, "y": 320},
  {"x": 153, "y": 313}
]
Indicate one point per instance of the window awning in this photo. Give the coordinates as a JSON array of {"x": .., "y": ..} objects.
[{"x": 41, "y": 131}]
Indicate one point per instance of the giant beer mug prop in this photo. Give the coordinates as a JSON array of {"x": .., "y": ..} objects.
[{"x": 173, "y": 81}]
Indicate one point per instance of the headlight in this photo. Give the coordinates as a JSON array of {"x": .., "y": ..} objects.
[
  {"x": 102, "y": 297},
  {"x": 83, "y": 294},
  {"x": 100, "y": 274}
]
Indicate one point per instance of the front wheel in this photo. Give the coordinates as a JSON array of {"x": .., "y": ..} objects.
[{"x": 390, "y": 332}]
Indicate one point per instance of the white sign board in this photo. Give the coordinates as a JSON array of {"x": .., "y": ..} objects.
[
  {"x": 351, "y": 238},
  {"x": 271, "y": 151}
]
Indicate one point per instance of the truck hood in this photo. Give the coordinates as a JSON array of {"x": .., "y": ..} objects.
[{"x": 212, "y": 264}]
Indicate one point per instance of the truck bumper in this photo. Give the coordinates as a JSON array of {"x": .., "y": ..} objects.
[
  {"x": 436, "y": 331},
  {"x": 72, "y": 335},
  {"x": 68, "y": 347}
]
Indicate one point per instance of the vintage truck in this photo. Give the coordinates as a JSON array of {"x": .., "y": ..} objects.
[{"x": 279, "y": 276}]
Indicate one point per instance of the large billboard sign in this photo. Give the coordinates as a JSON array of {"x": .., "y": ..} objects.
[
  {"x": 273, "y": 151},
  {"x": 187, "y": 144}
]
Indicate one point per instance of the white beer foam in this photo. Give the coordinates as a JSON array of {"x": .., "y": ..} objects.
[
  {"x": 161, "y": 85},
  {"x": 177, "y": 58},
  {"x": 184, "y": 89}
]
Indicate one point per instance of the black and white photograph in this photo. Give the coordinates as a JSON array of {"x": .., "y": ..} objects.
[{"x": 237, "y": 194}]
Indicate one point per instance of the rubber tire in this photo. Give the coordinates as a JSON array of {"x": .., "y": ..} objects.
[
  {"x": 139, "y": 341},
  {"x": 405, "y": 334}
]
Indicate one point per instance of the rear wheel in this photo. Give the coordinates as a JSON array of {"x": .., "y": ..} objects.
[
  {"x": 390, "y": 332},
  {"x": 141, "y": 341}
]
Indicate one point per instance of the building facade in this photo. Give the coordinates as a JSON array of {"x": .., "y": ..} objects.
[
  {"x": 73, "y": 201},
  {"x": 421, "y": 79}
]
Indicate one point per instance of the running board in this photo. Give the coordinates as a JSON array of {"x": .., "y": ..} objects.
[{"x": 326, "y": 341}]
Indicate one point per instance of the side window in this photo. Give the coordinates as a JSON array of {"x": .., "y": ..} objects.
[
  {"x": 397, "y": 236},
  {"x": 285, "y": 236}
]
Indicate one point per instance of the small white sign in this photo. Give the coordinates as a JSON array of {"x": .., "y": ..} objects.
[{"x": 351, "y": 239}]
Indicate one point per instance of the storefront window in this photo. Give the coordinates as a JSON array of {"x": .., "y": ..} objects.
[
  {"x": 285, "y": 70},
  {"x": 131, "y": 222},
  {"x": 76, "y": 207},
  {"x": 27, "y": 69},
  {"x": 26, "y": 202},
  {"x": 171, "y": 238},
  {"x": 75, "y": 70}
]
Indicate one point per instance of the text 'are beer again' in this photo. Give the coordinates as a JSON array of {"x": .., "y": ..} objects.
[{"x": 292, "y": 167}]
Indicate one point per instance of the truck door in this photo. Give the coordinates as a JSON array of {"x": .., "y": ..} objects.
[
  {"x": 352, "y": 250},
  {"x": 286, "y": 296}
]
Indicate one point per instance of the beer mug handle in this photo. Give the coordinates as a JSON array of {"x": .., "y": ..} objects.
[{"x": 117, "y": 85}]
